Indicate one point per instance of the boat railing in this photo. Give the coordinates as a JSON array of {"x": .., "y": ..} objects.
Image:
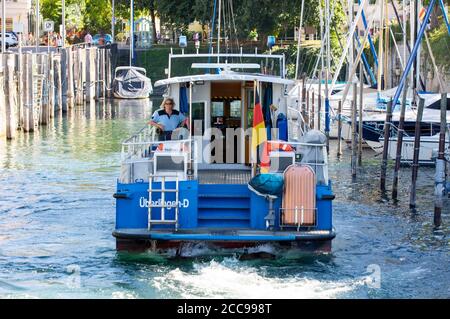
[
  {"x": 299, "y": 217},
  {"x": 139, "y": 160},
  {"x": 314, "y": 155},
  {"x": 296, "y": 124},
  {"x": 226, "y": 57}
]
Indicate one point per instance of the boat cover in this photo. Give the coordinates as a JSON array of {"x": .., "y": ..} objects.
[
  {"x": 314, "y": 155},
  {"x": 132, "y": 84},
  {"x": 267, "y": 185}
]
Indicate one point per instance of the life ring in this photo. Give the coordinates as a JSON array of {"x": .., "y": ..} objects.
[
  {"x": 279, "y": 146},
  {"x": 182, "y": 148}
]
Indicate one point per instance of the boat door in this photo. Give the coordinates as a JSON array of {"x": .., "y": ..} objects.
[{"x": 226, "y": 123}]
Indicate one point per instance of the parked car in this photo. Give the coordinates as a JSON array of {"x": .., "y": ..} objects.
[
  {"x": 107, "y": 39},
  {"x": 10, "y": 39}
]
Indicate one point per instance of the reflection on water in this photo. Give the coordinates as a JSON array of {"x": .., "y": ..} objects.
[{"x": 57, "y": 214}]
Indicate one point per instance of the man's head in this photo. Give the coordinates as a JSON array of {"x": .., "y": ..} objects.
[{"x": 168, "y": 104}]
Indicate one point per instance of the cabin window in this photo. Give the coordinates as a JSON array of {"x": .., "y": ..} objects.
[
  {"x": 235, "y": 109},
  {"x": 218, "y": 109}
]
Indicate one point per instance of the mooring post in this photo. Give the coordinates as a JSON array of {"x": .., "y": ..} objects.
[
  {"x": 339, "y": 117},
  {"x": 415, "y": 165},
  {"x": 354, "y": 132},
  {"x": 387, "y": 131},
  {"x": 313, "y": 115},
  {"x": 439, "y": 179},
  {"x": 398, "y": 155},
  {"x": 78, "y": 86},
  {"x": 319, "y": 110},
  {"x": 97, "y": 61},
  {"x": 70, "y": 73},
  {"x": 109, "y": 71},
  {"x": 51, "y": 86},
  {"x": 360, "y": 113},
  {"x": 59, "y": 81},
  {"x": 90, "y": 76},
  {"x": 308, "y": 115},
  {"x": 2, "y": 99},
  {"x": 10, "y": 97},
  {"x": 29, "y": 91},
  {"x": 303, "y": 109},
  {"x": 42, "y": 71}
]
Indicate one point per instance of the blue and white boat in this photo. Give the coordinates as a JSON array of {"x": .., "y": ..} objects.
[{"x": 202, "y": 186}]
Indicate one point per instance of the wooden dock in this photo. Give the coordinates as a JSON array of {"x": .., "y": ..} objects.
[{"x": 34, "y": 86}]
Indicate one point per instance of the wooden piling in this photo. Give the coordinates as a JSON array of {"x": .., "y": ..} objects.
[
  {"x": 78, "y": 76},
  {"x": 303, "y": 110},
  {"x": 360, "y": 113},
  {"x": 339, "y": 146},
  {"x": 44, "y": 115},
  {"x": 439, "y": 182},
  {"x": 387, "y": 131},
  {"x": 70, "y": 74},
  {"x": 307, "y": 118},
  {"x": 109, "y": 73},
  {"x": 415, "y": 165},
  {"x": 319, "y": 110},
  {"x": 90, "y": 75},
  {"x": 58, "y": 73},
  {"x": 398, "y": 155},
  {"x": 10, "y": 90},
  {"x": 51, "y": 85},
  {"x": 354, "y": 132},
  {"x": 313, "y": 111},
  {"x": 28, "y": 113},
  {"x": 2, "y": 99}
]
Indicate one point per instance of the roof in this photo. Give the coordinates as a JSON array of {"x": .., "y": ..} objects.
[{"x": 228, "y": 76}]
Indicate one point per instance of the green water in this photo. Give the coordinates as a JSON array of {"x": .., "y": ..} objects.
[{"x": 57, "y": 214}]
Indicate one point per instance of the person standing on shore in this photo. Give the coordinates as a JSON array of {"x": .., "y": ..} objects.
[{"x": 88, "y": 38}]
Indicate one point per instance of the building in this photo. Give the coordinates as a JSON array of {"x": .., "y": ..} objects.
[{"x": 17, "y": 11}]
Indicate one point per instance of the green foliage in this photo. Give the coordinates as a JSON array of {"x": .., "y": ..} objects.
[{"x": 440, "y": 43}]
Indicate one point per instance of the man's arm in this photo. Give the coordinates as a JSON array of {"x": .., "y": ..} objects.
[{"x": 154, "y": 121}]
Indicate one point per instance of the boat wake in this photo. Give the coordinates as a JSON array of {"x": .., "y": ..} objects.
[{"x": 233, "y": 279}]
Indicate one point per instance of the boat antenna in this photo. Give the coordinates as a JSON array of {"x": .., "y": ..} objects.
[
  {"x": 297, "y": 65},
  {"x": 218, "y": 31},
  {"x": 131, "y": 32}
]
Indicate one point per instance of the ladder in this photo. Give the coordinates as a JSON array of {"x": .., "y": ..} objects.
[{"x": 163, "y": 205}]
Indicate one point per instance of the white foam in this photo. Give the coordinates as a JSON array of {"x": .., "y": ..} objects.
[{"x": 230, "y": 279}]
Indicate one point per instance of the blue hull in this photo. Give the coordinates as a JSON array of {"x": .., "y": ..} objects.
[{"x": 221, "y": 215}]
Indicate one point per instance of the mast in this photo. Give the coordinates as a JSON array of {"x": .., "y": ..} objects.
[
  {"x": 297, "y": 66},
  {"x": 380, "y": 49},
  {"x": 386, "y": 46},
  {"x": 131, "y": 32},
  {"x": 218, "y": 31}
]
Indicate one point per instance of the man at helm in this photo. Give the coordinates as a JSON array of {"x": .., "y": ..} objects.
[{"x": 167, "y": 120}]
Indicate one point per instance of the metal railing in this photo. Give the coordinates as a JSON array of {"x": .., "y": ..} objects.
[{"x": 298, "y": 218}]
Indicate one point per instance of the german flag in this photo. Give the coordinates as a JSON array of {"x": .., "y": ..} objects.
[
  {"x": 422, "y": 14},
  {"x": 259, "y": 135}
]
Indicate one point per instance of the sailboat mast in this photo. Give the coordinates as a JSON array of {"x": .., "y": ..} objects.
[
  {"x": 386, "y": 45},
  {"x": 380, "y": 48},
  {"x": 131, "y": 32},
  {"x": 218, "y": 31}
]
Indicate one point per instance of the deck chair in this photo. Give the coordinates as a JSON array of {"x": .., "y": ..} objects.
[{"x": 299, "y": 197}]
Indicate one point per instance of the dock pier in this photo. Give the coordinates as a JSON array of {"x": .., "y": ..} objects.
[{"x": 36, "y": 85}]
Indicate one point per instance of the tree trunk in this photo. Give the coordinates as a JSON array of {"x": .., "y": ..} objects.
[{"x": 153, "y": 16}]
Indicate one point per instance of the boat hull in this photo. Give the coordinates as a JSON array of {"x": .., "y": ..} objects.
[{"x": 142, "y": 240}]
